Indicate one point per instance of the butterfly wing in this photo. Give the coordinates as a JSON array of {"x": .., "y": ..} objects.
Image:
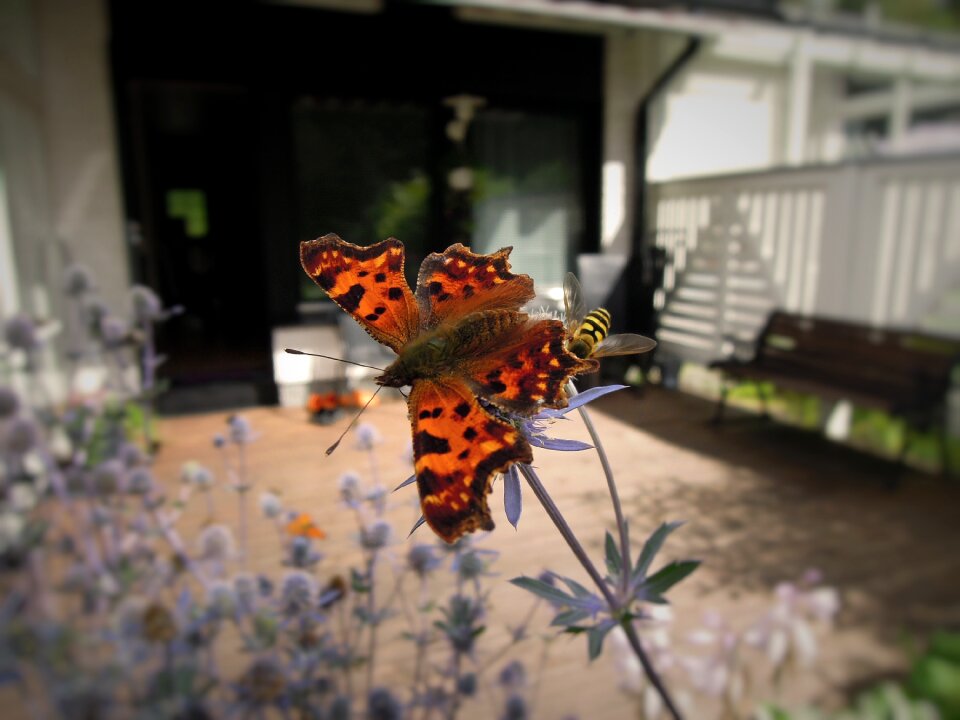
[
  {"x": 457, "y": 282},
  {"x": 524, "y": 366},
  {"x": 623, "y": 344},
  {"x": 457, "y": 448},
  {"x": 575, "y": 308},
  {"x": 368, "y": 283}
]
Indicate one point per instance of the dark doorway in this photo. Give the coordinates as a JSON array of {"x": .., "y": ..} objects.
[
  {"x": 203, "y": 248},
  {"x": 248, "y": 127}
]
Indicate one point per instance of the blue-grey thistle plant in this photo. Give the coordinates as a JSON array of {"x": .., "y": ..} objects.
[
  {"x": 382, "y": 705},
  {"x": 423, "y": 559},
  {"x": 216, "y": 543},
  {"x": 350, "y": 490},
  {"x": 367, "y": 436},
  {"x": 140, "y": 481},
  {"x": 20, "y": 436},
  {"x": 20, "y": 332},
  {"x": 376, "y": 535},
  {"x": 461, "y": 623},
  {"x": 9, "y": 403},
  {"x": 240, "y": 431},
  {"x": 147, "y": 307},
  {"x": 297, "y": 593},
  {"x": 245, "y": 588},
  {"x": 78, "y": 280},
  {"x": 263, "y": 684},
  {"x": 109, "y": 477}
]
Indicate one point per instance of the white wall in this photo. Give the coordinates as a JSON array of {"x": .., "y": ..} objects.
[
  {"x": 633, "y": 61},
  {"x": 58, "y": 148},
  {"x": 718, "y": 116}
]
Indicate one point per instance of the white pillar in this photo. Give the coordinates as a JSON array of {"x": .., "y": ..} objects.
[
  {"x": 900, "y": 111},
  {"x": 798, "y": 101}
]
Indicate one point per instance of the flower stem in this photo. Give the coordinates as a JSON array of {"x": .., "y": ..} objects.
[
  {"x": 614, "y": 496},
  {"x": 567, "y": 533}
]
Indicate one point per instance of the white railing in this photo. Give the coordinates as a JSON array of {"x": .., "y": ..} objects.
[{"x": 876, "y": 242}]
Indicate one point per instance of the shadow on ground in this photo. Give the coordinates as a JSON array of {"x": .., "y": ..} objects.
[{"x": 780, "y": 500}]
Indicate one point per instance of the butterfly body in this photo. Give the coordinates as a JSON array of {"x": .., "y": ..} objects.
[
  {"x": 589, "y": 333},
  {"x": 460, "y": 339}
]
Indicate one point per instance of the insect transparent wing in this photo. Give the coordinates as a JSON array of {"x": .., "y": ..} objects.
[
  {"x": 575, "y": 309},
  {"x": 623, "y": 344}
]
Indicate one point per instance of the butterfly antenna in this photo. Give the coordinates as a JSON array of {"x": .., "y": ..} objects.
[
  {"x": 355, "y": 418},
  {"x": 291, "y": 351}
]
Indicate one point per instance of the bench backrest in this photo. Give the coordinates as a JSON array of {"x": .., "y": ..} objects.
[{"x": 902, "y": 364}]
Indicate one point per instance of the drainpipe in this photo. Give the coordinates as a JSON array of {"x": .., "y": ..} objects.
[{"x": 640, "y": 294}]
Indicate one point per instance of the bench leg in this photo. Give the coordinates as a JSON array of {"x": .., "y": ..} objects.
[
  {"x": 721, "y": 403},
  {"x": 764, "y": 400}
]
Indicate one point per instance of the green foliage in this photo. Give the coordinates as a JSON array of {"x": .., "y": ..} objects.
[
  {"x": 402, "y": 212},
  {"x": 931, "y": 692}
]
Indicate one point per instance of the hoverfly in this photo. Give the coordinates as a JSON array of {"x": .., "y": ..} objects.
[{"x": 588, "y": 332}]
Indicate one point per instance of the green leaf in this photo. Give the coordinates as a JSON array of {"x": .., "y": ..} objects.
[
  {"x": 547, "y": 592},
  {"x": 595, "y": 637},
  {"x": 614, "y": 561},
  {"x": 570, "y": 617},
  {"x": 946, "y": 645},
  {"x": 657, "y": 584},
  {"x": 576, "y": 588},
  {"x": 651, "y": 547}
]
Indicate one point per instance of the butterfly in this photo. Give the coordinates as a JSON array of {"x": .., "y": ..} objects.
[
  {"x": 303, "y": 526},
  {"x": 588, "y": 333},
  {"x": 472, "y": 359}
]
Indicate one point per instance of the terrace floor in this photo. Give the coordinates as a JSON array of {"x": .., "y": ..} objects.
[{"x": 762, "y": 502}]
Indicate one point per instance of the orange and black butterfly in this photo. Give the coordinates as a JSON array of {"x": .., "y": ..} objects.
[
  {"x": 588, "y": 333},
  {"x": 460, "y": 339}
]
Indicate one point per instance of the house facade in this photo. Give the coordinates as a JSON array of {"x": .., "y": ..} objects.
[{"x": 192, "y": 148}]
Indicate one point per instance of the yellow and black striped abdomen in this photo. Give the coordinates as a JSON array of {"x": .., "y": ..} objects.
[{"x": 592, "y": 330}]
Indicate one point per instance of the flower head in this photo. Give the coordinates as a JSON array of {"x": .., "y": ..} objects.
[
  {"x": 216, "y": 543},
  {"x": 196, "y": 474},
  {"x": 297, "y": 592},
  {"x": 21, "y": 332},
  {"x": 270, "y": 504},
  {"x": 367, "y": 436},
  {"x": 147, "y": 306},
  {"x": 376, "y": 535},
  {"x": 350, "y": 489},
  {"x": 9, "y": 403},
  {"x": 77, "y": 280},
  {"x": 240, "y": 430},
  {"x": 382, "y": 705},
  {"x": 21, "y": 436},
  {"x": 423, "y": 559}
]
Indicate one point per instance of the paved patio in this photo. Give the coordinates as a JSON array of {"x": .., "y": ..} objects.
[{"x": 763, "y": 503}]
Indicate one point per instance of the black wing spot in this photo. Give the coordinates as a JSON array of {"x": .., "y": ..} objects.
[
  {"x": 463, "y": 409},
  {"x": 469, "y": 434},
  {"x": 437, "y": 412},
  {"x": 380, "y": 310},
  {"x": 496, "y": 387},
  {"x": 424, "y": 414},
  {"x": 363, "y": 273},
  {"x": 436, "y": 287},
  {"x": 350, "y": 300},
  {"x": 380, "y": 277},
  {"x": 463, "y": 455},
  {"x": 394, "y": 293},
  {"x": 426, "y": 444},
  {"x": 372, "y": 317}
]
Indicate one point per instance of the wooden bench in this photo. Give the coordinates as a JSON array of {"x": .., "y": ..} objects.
[{"x": 902, "y": 372}]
